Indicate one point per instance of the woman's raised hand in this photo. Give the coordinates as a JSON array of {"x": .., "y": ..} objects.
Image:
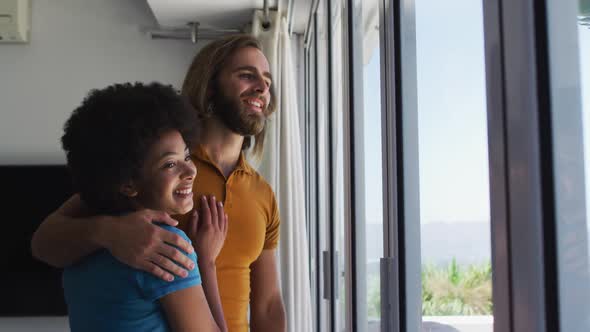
[{"x": 208, "y": 229}]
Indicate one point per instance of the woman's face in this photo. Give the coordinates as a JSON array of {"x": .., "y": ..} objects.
[{"x": 167, "y": 176}]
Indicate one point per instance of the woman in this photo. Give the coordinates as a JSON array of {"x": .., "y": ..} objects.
[{"x": 126, "y": 150}]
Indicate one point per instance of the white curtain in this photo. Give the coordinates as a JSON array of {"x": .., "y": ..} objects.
[{"x": 282, "y": 166}]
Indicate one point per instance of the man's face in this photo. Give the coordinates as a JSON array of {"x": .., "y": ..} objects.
[{"x": 243, "y": 92}]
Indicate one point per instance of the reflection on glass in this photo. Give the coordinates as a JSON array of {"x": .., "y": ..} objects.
[{"x": 569, "y": 51}]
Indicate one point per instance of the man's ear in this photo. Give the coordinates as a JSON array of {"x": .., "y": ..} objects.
[{"x": 128, "y": 189}]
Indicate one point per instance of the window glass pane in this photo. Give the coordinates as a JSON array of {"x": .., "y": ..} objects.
[
  {"x": 584, "y": 49},
  {"x": 368, "y": 169},
  {"x": 310, "y": 166},
  {"x": 453, "y": 166},
  {"x": 322, "y": 162},
  {"x": 569, "y": 61},
  {"x": 338, "y": 185}
]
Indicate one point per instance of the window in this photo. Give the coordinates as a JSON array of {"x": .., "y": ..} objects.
[
  {"x": 340, "y": 248},
  {"x": 569, "y": 72},
  {"x": 454, "y": 208}
]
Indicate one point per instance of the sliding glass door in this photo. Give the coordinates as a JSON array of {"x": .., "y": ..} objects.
[{"x": 447, "y": 152}]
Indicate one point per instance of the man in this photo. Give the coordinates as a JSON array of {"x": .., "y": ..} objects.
[{"x": 229, "y": 85}]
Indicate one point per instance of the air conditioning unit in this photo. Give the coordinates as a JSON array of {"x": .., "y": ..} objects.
[{"x": 14, "y": 21}]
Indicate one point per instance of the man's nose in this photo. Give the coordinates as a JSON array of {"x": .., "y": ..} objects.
[{"x": 261, "y": 86}]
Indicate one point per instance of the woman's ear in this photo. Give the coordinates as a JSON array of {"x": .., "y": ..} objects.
[{"x": 128, "y": 189}]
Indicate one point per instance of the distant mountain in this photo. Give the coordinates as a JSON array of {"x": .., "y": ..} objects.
[{"x": 467, "y": 242}]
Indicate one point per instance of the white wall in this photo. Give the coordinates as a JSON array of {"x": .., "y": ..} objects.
[{"x": 75, "y": 45}]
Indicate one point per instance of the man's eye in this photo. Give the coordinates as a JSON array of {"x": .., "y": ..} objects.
[{"x": 246, "y": 75}]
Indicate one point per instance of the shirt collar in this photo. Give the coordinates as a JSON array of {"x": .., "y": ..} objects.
[{"x": 199, "y": 152}]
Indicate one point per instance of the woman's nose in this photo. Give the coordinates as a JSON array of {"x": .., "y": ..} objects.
[{"x": 190, "y": 170}]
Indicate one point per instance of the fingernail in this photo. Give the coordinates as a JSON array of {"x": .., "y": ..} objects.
[
  {"x": 204, "y": 198},
  {"x": 191, "y": 266},
  {"x": 170, "y": 278},
  {"x": 184, "y": 273},
  {"x": 213, "y": 197},
  {"x": 220, "y": 203}
]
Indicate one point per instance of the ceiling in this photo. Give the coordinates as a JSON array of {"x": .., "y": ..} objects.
[{"x": 225, "y": 14}]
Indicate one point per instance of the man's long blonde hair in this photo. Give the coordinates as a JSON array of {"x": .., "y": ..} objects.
[{"x": 202, "y": 77}]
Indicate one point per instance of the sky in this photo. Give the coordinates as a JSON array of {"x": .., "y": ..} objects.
[{"x": 452, "y": 129}]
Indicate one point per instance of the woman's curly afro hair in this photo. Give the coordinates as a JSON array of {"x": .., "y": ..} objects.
[{"x": 107, "y": 138}]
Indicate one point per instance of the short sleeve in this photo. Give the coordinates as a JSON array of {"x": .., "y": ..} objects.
[
  {"x": 271, "y": 239},
  {"x": 153, "y": 288}
]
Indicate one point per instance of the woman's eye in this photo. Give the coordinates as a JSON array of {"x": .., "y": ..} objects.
[
  {"x": 169, "y": 165},
  {"x": 187, "y": 158}
]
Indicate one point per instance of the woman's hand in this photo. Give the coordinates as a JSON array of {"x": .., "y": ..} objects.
[{"x": 208, "y": 230}]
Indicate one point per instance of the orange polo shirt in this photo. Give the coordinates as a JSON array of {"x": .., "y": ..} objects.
[{"x": 253, "y": 225}]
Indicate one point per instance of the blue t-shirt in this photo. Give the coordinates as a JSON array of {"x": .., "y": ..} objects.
[{"x": 104, "y": 294}]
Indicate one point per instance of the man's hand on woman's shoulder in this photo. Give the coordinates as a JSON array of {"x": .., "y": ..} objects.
[{"x": 135, "y": 240}]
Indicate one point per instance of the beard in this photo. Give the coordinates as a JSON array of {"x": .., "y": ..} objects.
[{"x": 232, "y": 113}]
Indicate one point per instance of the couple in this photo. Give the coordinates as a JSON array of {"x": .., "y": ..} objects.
[{"x": 148, "y": 175}]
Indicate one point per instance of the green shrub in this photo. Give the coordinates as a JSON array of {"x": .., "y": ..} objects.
[
  {"x": 373, "y": 297},
  {"x": 457, "y": 290},
  {"x": 446, "y": 291}
]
